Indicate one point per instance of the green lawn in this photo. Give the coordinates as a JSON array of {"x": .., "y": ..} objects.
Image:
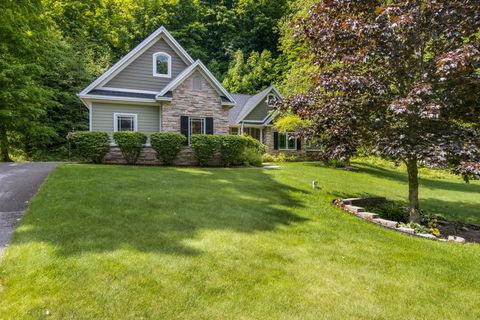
[{"x": 118, "y": 242}]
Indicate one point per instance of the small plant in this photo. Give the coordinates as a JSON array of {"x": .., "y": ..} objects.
[
  {"x": 91, "y": 145},
  {"x": 130, "y": 143},
  {"x": 418, "y": 228},
  {"x": 167, "y": 145},
  {"x": 279, "y": 157},
  {"x": 432, "y": 225},
  {"x": 204, "y": 147}
]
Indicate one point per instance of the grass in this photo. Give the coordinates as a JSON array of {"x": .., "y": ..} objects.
[{"x": 111, "y": 242}]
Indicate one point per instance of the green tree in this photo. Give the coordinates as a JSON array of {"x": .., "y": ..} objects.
[{"x": 24, "y": 38}]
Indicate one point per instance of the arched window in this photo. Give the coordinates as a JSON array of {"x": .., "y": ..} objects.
[
  {"x": 162, "y": 65},
  {"x": 197, "y": 83}
]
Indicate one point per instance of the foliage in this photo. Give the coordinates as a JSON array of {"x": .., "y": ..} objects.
[
  {"x": 418, "y": 228},
  {"x": 167, "y": 145},
  {"x": 400, "y": 80},
  {"x": 279, "y": 157},
  {"x": 232, "y": 148},
  {"x": 204, "y": 147},
  {"x": 432, "y": 225},
  {"x": 251, "y": 157},
  {"x": 257, "y": 73},
  {"x": 468, "y": 170},
  {"x": 130, "y": 143},
  {"x": 91, "y": 145},
  {"x": 291, "y": 123},
  {"x": 391, "y": 211}
]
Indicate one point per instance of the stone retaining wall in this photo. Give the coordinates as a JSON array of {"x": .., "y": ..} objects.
[{"x": 148, "y": 157}]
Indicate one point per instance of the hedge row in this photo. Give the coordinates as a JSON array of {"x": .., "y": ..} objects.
[{"x": 233, "y": 149}]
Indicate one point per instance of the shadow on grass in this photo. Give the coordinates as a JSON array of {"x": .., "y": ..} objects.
[
  {"x": 105, "y": 208},
  {"x": 381, "y": 172}
]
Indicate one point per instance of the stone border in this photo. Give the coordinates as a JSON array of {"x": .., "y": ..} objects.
[{"x": 354, "y": 206}]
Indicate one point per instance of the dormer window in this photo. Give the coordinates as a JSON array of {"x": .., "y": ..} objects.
[{"x": 162, "y": 65}]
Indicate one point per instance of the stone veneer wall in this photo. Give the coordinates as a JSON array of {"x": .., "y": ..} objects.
[
  {"x": 148, "y": 157},
  {"x": 195, "y": 103}
]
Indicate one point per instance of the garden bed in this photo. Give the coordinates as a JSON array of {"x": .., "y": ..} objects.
[{"x": 391, "y": 215}]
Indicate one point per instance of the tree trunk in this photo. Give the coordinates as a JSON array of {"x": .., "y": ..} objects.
[
  {"x": 413, "y": 204},
  {"x": 4, "y": 146}
]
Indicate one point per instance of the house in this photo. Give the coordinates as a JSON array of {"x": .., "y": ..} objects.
[{"x": 158, "y": 87}]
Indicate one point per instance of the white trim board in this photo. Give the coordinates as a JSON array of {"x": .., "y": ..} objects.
[{"x": 126, "y": 90}]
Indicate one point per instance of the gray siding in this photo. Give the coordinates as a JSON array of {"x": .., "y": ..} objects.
[
  {"x": 259, "y": 112},
  {"x": 147, "y": 116},
  {"x": 139, "y": 74}
]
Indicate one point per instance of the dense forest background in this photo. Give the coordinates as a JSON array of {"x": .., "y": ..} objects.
[{"x": 50, "y": 50}]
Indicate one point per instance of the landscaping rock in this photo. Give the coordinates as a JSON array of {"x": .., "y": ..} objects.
[
  {"x": 354, "y": 209},
  {"x": 367, "y": 215},
  {"x": 456, "y": 239},
  {"x": 386, "y": 223},
  {"x": 406, "y": 230},
  {"x": 427, "y": 235}
]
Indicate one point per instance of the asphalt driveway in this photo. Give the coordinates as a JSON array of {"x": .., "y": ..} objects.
[{"x": 18, "y": 183}]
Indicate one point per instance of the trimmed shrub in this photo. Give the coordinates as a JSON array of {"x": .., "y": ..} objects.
[
  {"x": 204, "y": 147},
  {"x": 232, "y": 149},
  {"x": 167, "y": 145},
  {"x": 91, "y": 145},
  {"x": 130, "y": 143},
  {"x": 251, "y": 157}
]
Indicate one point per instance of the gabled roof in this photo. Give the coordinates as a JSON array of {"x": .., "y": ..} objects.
[
  {"x": 227, "y": 98},
  {"x": 139, "y": 49},
  {"x": 246, "y": 103}
]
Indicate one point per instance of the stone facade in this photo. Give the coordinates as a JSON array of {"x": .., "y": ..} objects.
[
  {"x": 203, "y": 102},
  {"x": 148, "y": 157}
]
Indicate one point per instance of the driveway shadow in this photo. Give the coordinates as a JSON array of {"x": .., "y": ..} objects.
[{"x": 105, "y": 208}]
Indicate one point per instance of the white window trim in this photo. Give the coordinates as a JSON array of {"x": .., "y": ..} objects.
[
  {"x": 204, "y": 129},
  {"x": 115, "y": 120},
  {"x": 154, "y": 61},
  {"x": 286, "y": 141}
]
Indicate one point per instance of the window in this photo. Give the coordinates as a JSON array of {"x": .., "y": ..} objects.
[
  {"x": 195, "y": 126},
  {"x": 287, "y": 141},
  {"x": 124, "y": 122},
  {"x": 271, "y": 100},
  {"x": 252, "y": 132},
  {"x": 162, "y": 65},
  {"x": 197, "y": 83},
  {"x": 233, "y": 130}
]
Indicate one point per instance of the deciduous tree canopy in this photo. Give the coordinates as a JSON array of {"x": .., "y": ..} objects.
[{"x": 399, "y": 77}]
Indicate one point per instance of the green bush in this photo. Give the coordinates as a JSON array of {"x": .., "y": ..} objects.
[
  {"x": 130, "y": 143},
  {"x": 279, "y": 157},
  {"x": 252, "y": 157},
  {"x": 91, "y": 145},
  {"x": 167, "y": 145},
  {"x": 232, "y": 148},
  {"x": 204, "y": 147}
]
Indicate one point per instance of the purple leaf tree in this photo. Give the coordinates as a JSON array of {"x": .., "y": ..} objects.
[{"x": 400, "y": 78}]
